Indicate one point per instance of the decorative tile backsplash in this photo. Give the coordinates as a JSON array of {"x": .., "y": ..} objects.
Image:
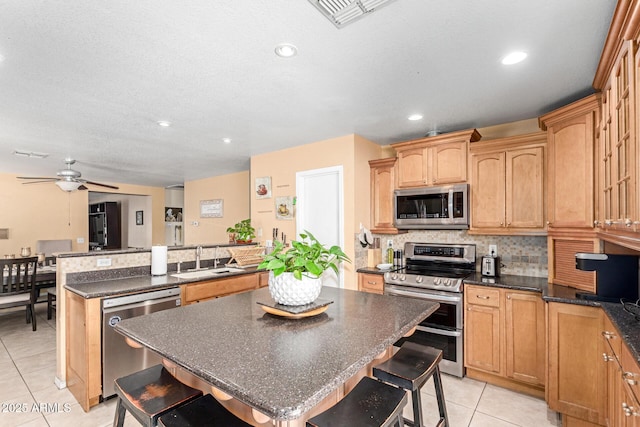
[{"x": 520, "y": 255}]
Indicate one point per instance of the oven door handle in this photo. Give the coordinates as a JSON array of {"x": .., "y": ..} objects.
[
  {"x": 431, "y": 297},
  {"x": 445, "y": 332}
]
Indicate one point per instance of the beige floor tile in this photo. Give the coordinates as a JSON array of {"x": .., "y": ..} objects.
[
  {"x": 462, "y": 391},
  {"x": 23, "y": 344},
  {"x": 38, "y": 422},
  {"x": 516, "y": 408},
  {"x": 13, "y": 386},
  {"x": 36, "y": 362},
  {"x": 483, "y": 420},
  {"x": 40, "y": 379},
  {"x": 52, "y": 395},
  {"x": 98, "y": 416}
]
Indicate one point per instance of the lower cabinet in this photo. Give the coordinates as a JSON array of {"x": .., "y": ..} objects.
[
  {"x": 373, "y": 283},
  {"x": 576, "y": 384},
  {"x": 505, "y": 338},
  {"x": 622, "y": 376}
]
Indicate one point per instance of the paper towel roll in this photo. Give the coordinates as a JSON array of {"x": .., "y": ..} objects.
[{"x": 158, "y": 260}]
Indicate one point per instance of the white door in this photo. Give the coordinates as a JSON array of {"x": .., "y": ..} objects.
[{"x": 319, "y": 210}]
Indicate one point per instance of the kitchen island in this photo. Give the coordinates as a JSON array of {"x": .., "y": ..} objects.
[{"x": 282, "y": 368}]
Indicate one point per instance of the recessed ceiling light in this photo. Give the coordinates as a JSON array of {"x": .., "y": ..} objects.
[
  {"x": 514, "y": 58},
  {"x": 286, "y": 50},
  {"x": 164, "y": 123},
  {"x": 226, "y": 140},
  {"x": 415, "y": 117}
]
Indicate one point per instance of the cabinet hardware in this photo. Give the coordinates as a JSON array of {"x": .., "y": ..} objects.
[
  {"x": 508, "y": 296},
  {"x": 596, "y": 223},
  {"x": 482, "y": 297},
  {"x": 628, "y": 410},
  {"x": 628, "y": 222},
  {"x": 629, "y": 378},
  {"x": 607, "y": 358},
  {"x": 608, "y": 335},
  {"x": 548, "y": 222},
  {"x": 371, "y": 283}
]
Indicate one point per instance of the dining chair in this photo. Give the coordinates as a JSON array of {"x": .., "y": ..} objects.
[{"x": 19, "y": 285}]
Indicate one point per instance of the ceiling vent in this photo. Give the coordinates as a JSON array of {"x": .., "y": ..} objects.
[{"x": 343, "y": 12}]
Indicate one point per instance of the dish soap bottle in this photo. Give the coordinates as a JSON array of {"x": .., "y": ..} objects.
[{"x": 389, "y": 255}]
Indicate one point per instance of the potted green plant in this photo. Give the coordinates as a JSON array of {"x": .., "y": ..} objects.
[
  {"x": 243, "y": 231},
  {"x": 295, "y": 273}
]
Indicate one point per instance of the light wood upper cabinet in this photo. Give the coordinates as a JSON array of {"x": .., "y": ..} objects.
[
  {"x": 434, "y": 160},
  {"x": 507, "y": 185},
  {"x": 571, "y": 139},
  {"x": 576, "y": 375},
  {"x": 383, "y": 182}
]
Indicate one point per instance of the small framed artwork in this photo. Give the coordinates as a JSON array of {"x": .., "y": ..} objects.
[
  {"x": 211, "y": 208},
  {"x": 263, "y": 187},
  {"x": 284, "y": 207},
  {"x": 139, "y": 217}
]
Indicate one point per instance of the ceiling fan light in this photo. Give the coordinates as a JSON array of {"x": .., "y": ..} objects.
[{"x": 68, "y": 186}]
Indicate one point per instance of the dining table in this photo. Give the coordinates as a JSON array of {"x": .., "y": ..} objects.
[{"x": 279, "y": 365}]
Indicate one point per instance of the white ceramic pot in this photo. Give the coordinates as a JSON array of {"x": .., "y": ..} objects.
[{"x": 287, "y": 290}]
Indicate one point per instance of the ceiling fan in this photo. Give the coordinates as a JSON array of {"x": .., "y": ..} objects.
[{"x": 67, "y": 180}]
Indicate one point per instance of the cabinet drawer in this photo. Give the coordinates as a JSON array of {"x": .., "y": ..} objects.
[
  {"x": 371, "y": 283},
  {"x": 482, "y": 296},
  {"x": 215, "y": 288}
]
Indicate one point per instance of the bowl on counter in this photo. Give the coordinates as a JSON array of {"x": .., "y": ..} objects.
[{"x": 384, "y": 266}]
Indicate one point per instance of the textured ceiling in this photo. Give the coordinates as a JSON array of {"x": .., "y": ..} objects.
[{"x": 90, "y": 79}]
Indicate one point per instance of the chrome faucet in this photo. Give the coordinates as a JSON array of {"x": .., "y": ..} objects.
[
  {"x": 198, "y": 255},
  {"x": 215, "y": 257}
]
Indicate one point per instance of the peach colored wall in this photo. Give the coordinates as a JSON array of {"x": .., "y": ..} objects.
[
  {"x": 234, "y": 189},
  {"x": 43, "y": 212},
  {"x": 350, "y": 151}
]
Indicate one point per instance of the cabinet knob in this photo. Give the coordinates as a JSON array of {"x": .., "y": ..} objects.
[
  {"x": 508, "y": 296},
  {"x": 606, "y": 357},
  {"x": 596, "y": 223},
  {"x": 608, "y": 335},
  {"x": 508, "y": 224},
  {"x": 628, "y": 222},
  {"x": 548, "y": 222}
]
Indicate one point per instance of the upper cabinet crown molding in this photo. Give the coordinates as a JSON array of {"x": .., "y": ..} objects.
[
  {"x": 470, "y": 135},
  {"x": 575, "y": 109}
]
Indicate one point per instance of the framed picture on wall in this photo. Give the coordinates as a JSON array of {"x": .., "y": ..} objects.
[
  {"x": 263, "y": 187},
  {"x": 139, "y": 217},
  {"x": 284, "y": 207},
  {"x": 211, "y": 208}
]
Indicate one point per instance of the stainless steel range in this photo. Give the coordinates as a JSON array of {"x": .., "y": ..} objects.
[{"x": 435, "y": 271}]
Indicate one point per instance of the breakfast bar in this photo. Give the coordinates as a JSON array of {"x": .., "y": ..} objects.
[{"x": 280, "y": 367}]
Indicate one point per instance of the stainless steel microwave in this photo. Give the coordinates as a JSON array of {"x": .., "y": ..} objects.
[{"x": 443, "y": 207}]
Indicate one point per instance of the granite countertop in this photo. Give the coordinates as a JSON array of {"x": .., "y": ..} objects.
[
  {"x": 137, "y": 284},
  {"x": 282, "y": 367},
  {"x": 375, "y": 270}
]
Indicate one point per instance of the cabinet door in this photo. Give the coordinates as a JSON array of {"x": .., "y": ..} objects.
[
  {"x": 562, "y": 262},
  {"x": 610, "y": 354},
  {"x": 525, "y": 337},
  {"x": 488, "y": 190},
  {"x": 202, "y": 291},
  {"x": 630, "y": 380},
  {"x": 412, "y": 167},
  {"x": 570, "y": 201},
  {"x": 382, "y": 186},
  {"x": 373, "y": 283},
  {"x": 576, "y": 376},
  {"x": 525, "y": 188},
  {"x": 448, "y": 163},
  {"x": 482, "y": 328}
]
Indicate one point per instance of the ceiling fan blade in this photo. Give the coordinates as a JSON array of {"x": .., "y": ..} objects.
[
  {"x": 39, "y": 182},
  {"x": 38, "y": 177},
  {"x": 101, "y": 185}
]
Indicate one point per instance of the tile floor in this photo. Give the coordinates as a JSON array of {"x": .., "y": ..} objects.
[{"x": 30, "y": 399}]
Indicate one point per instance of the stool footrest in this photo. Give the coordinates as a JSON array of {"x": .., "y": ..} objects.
[{"x": 201, "y": 412}]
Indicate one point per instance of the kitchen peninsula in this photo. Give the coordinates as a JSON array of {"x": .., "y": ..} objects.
[{"x": 285, "y": 369}]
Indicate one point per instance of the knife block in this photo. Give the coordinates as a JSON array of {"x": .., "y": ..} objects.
[{"x": 374, "y": 257}]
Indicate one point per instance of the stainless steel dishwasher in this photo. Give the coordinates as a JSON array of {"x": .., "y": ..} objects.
[{"x": 118, "y": 358}]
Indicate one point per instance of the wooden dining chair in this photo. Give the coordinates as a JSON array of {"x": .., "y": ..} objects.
[{"x": 19, "y": 285}]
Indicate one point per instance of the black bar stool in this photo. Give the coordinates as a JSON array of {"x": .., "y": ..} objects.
[
  {"x": 371, "y": 403},
  {"x": 149, "y": 394},
  {"x": 410, "y": 368},
  {"x": 205, "y": 411}
]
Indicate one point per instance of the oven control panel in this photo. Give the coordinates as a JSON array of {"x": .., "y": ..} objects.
[{"x": 426, "y": 282}]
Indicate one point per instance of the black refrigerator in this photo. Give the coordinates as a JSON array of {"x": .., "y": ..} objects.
[{"x": 104, "y": 226}]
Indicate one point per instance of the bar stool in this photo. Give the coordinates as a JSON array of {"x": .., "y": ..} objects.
[
  {"x": 371, "y": 403},
  {"x": 410, "y": 368},
  {"x": 204, "y": 411},
  {"x": 149, "y": 394}
]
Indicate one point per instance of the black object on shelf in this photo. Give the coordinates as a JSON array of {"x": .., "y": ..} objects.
[
  {"x": 104, "y": 226},
  {"x": 616, "y": 275}
]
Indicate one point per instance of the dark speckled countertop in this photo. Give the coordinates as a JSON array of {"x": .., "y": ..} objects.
[
  {"x": 281, "y": 367},
  {"x": 137, "y": 284}
]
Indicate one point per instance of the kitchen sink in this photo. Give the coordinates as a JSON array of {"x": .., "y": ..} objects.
[{"x": 211, "y": 272}]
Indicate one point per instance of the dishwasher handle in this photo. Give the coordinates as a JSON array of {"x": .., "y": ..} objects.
[{"x": 140, "y": 297}]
